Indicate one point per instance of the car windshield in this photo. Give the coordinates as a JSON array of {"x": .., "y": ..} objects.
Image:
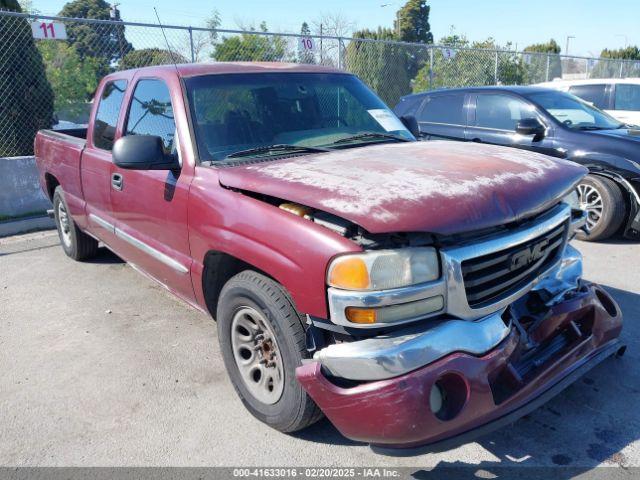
[
  {"x": 253, "y": 115},
  {"x": 574, "y": 112}
]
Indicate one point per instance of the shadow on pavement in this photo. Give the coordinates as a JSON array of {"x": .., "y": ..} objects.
[{"x": 104, "y": 257}]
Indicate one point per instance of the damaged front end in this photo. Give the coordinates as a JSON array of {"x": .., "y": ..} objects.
[{"x": 515, "y": 326}]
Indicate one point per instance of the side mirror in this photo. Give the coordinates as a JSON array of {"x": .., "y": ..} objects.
[
  {"x": 142, "y": 152},
  {"x": 410, "y": 122},
  {"x": 530, "y": 126}
]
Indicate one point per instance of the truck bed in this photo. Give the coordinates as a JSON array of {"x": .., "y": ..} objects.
[{"x": 58, "y": 155}]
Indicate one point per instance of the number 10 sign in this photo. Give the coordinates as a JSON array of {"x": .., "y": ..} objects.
[{"x": 43, "y": 30}]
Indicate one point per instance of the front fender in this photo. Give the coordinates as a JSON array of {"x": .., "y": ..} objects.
[{"x": 292, "y": 250}]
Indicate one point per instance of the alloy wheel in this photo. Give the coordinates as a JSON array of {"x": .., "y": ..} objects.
[
  {"x": 591, "y": 202},
  {"x": 257, "y": 356}
]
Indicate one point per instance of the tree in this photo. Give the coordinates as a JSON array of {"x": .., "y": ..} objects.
[
  {"x": 105, "y": 42},
  {"x": 251, "y": 47},
  {"x": 332, "y": 24},
  {"x": 147, "y": 57},
  {"x": 26, "y": 98},
  {"x": 383, "y": 66},
  {"x": 304, "y": 54},
  {"x": 414, "y": 22},
  {"x": 536, "y": 65},
  {"x": 616, "y": 63},
  {"x": 74, "y": 81},
  {"x": 466, "y": 67},
  {"x": 213, "y": 23}
]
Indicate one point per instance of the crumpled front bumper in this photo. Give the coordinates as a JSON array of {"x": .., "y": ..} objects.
[{"x": 482, "y": 391}]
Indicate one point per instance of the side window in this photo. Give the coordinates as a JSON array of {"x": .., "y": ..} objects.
[
  {"x": 627, "y": 97},
  {"x": 443, "y": 109},
  {"x": 595, "y": 94},
  {"x": 501, "y": 112},
  {"x": 104, "y": 125},
  {"x": 151, "y": 113}
]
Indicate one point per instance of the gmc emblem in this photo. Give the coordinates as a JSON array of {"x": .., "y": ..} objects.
[{"x": 526, "y": 257}]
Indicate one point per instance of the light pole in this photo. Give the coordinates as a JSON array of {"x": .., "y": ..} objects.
[
  {"x": 626, "y": 39},
  {"x": 398, "y": 30},
  {"x": 566, "y": 50}
]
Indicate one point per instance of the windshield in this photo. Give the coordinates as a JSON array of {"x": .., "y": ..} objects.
[
  {"x": 574, "y": 112},
  {"x": 251, "y": 114}
]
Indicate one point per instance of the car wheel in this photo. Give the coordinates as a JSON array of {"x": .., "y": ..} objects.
[
  {"x": 604, "y": 203},
  {"x": 263, "y": 342},
  {"x": 75, "y": 243}
]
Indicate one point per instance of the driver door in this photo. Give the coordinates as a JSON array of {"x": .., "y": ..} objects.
[
  {"x": 494, "y": 117},
  {"x": 150, "y": 206}
]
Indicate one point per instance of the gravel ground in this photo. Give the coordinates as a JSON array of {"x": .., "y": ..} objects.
[{"x": 102, "y": 367}]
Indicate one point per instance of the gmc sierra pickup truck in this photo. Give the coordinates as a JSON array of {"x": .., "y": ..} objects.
[{"x": 414, "y": 293}]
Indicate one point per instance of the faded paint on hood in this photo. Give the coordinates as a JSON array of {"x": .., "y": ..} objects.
[{"x": 438, "y": 187}]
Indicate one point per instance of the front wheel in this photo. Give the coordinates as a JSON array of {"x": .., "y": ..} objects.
[
  {"x": 604, "y": 203},
  {"x": 263, "y": 342}
]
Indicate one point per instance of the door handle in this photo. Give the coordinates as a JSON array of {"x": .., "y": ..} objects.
[{"x": 117, "y": 181}]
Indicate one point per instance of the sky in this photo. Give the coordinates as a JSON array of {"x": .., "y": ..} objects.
[{"x": 594, "y": 24}]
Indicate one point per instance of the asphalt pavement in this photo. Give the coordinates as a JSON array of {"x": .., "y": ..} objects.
[{"x": 100, "y": 366}]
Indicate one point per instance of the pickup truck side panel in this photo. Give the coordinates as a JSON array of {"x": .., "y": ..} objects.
[
  {"x": 59, "y": 156},
  {"x": 150, "y": 208},
  {"x": 295, "y": 254}
]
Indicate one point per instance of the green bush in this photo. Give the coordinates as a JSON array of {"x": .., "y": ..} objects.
[
  {"x": 147, "y": 57},
  {"x": 26, "y": 98}
]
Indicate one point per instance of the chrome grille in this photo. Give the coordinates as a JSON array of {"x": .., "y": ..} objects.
[{"x": 489, "y": 278}]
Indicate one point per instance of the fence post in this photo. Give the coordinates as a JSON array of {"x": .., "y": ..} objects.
[
  {"x": 495, "y": 69},
  {"x": 621, "y": 65},
  {"x": 430, "y": 68},
  {"x": 340, "y": 53},
  {"x": 193, "y": 55},
  {"x": 548, "y": 65}
]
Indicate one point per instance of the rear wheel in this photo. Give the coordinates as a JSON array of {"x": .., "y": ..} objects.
[
  {"x": 604, "y": 203},
  {"x": 263, "y": 342},
  {"x": 75, "y": 243}
]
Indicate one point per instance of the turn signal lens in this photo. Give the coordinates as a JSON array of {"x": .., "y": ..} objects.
[
  {"x": 360, "y": 315},
  {"x": 350, "y": 273}
]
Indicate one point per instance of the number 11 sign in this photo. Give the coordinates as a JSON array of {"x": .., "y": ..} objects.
[{"x": 44, "y": 30}]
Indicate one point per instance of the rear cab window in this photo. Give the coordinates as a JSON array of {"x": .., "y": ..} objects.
[
  {"x": 627, "y": 97},
  {"x": 446, "y": 109},
  {"x": 151, "y": 113},
  {"x": 106, "y": 119},
  {"x": 594, "y": 94}
]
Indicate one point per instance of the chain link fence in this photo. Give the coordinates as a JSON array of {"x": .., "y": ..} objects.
[{"x": 49, "y": 82}]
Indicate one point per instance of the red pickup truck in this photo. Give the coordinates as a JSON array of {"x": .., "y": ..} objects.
[{"x": 414, "y": 293}]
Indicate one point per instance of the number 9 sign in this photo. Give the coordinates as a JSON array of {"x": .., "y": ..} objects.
[{"x": 44, "y": 30}]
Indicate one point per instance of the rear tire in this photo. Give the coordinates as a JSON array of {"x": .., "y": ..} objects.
[
  {"x": 605, "y": 205},
  {"x": 257, "y": 321},
  {"x": 75, "y": 243}
]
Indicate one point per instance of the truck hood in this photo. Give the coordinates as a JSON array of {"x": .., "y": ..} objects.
[{"x": 438, "y": 187}]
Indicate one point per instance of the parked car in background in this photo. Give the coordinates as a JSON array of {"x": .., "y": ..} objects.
[
  {"x": 619, "y": 97},
  {"x": 551, "y": 122},
  {"x": 414, "y": 293}
]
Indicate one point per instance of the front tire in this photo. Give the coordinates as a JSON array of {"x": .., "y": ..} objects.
[
  {"x": 75, "y": 243},
  {"x": 606, "y": 210},
  {"x": 262, "y": 339}
]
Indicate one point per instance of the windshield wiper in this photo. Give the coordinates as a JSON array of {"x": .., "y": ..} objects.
[
  {"x": 591, "y": 127},
  {"x": 372, "y": 135},
  {"x": 277, "y": 148}
]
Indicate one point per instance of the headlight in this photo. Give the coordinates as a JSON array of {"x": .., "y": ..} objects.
[
  {"x": 573, "y": 200},
  {"x": 384, "y": 269}
]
